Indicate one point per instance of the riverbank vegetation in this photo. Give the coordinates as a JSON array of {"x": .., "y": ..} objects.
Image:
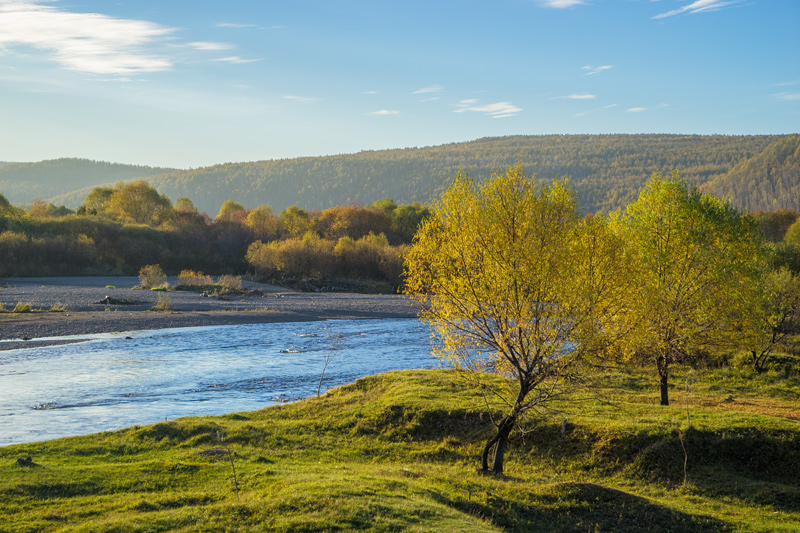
[
  {"x": 396, "y": 452},
  {"x": 119, "y": 230}
]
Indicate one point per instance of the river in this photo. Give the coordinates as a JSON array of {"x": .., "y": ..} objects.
[{"x": 117, "y": 380}]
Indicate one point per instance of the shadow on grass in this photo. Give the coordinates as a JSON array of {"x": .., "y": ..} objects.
[
  {"x": 585, "y": 507},
  {"x": 754, "y": 465}
]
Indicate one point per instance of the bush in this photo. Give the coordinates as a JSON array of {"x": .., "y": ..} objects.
[
  {"x": 164, "y": 303},
  {"x": 151, "y": 276},
  {"x": 194, "y": 279},
  {"x": 22, "y": 308},
  {"x": 230, "y": 282}
]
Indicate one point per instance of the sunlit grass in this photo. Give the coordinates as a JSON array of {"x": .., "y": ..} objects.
[{"x": 399, "y": 452}]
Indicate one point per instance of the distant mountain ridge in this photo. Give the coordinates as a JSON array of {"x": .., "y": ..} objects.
[
  {"x": 25, "y": 182},
  {"x": 606, "y": 171}
]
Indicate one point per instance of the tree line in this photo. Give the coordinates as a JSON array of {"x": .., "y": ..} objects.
[{"x": 119, "y": 229}]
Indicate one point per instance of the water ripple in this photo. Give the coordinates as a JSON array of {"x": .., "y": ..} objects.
[{"x": 113, "y": 382}]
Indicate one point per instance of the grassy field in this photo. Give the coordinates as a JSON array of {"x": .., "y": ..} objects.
[{"x": 399, "y": 451}]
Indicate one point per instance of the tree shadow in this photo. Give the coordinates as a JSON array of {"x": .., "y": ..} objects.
[{"x": 585, "y": 507}]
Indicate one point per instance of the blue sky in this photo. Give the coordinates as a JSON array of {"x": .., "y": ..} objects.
[{"x": 194, "y": 83}]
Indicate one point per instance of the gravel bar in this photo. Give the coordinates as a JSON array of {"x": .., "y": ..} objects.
[{"x": 87, "y": 311}]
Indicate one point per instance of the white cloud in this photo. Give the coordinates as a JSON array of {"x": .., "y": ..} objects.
[
  {"x": 301, "y": 99},
  {"x": 431, "y": 89},
  {"x": 370, "y": 92},
  {"x": 86, "y": 42},
  {"x": 699, "y": 6},
  {"x": 788, "y": 96},
  {"x": 595, "y": 70},
  {"x": 235, "y": 60},
  {"x": 496, "y": 110},
  {"x": 200, "y": 45},
  {"x": 584, "y": 113},
  {"x": 234, "y": 25},
  {"x": 575, "y": 97},
  {"x": 561, "y": 4},
  {"x": 385, "y": 112},
  {"x": 643, "y": 109}
]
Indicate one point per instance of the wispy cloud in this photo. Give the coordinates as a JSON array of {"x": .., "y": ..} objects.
[
  {"x": 643, "y": 109},
  {"x": 574, "y": 97},
  {"x": 431, "y": 89},
  {"x": 584, "y": 113},
  {"x": 788, "y": 96},
  {"x": 201, "y": 45},
  {"x": 301, "y": 99},
  {"x": 235, "y": 60},
  {"x": 496, "y": 110},
  {"x": 561, "y": 4},
  {"x": 385, "y": 112},
  {"x": 234, "y": 25},
  {"x": 699, "y": 6},
  {"x": 370, "y": 92},
  {"x": 590, "y": 70},
  {"x": 86, "y": 42}
]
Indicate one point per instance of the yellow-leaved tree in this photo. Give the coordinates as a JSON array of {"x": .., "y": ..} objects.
[
  {"x": 515, "y": 282},
  {"x": 698, "y": 266}
]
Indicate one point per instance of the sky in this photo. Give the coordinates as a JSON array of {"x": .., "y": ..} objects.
[{"x": 187, "y": 84}]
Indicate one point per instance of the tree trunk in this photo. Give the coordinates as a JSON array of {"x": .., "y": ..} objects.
[
  {"x": 500, "y": 443},
  {"x": 663, "y": 372},
  {"x": 664, "y": 390}
]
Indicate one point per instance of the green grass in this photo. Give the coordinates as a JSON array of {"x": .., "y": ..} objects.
[{"x": 399, "y": 451}]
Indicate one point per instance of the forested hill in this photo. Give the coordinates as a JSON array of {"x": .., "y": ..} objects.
[
  {"x": 767, "y": 181},
  {"x": 607, "y": 171},
  {"x": 25, "y": 182}
]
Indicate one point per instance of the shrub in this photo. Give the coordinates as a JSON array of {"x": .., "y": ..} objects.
[
  {"x": 22, "y": 308},
  {"x": 151, "y": 276},
  {"x": 230, "y": 282},
  {"x": 193, "y": 279},
  {"x": 164, "y": 303},
  {"x": 264, "y": 258}
]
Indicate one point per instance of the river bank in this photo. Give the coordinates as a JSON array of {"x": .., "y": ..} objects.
[{"x": 63, "y": 307}]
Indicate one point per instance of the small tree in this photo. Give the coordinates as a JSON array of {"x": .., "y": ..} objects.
[
  {"x": 151, "y": 276},
  {"x": 263, "y": 223},
  {"x": 96, "y": 202},
  {"x": 696, "y": 262},
  {"x": 139, "y": 202},
  {"x": 514, "y": 283},
  {"x": 778, "y": 318},
  {"x": 231, "y": 211}
]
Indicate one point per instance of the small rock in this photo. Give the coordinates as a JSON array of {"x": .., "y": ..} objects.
[{"x": 25, "y": 461}]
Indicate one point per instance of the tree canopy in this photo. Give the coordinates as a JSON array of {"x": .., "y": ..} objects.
[
  {"x": 696, "y": 262},
  {"x": 514, "y": 281}
]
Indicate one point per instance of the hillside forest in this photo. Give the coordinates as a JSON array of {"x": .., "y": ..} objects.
[{"x": 606, "y": 172}]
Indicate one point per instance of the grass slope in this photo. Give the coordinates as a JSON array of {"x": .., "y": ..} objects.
[{"x": 398, "y": 452}]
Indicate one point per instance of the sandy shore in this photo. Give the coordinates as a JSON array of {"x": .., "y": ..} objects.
[{"x": 87, "y": 310}]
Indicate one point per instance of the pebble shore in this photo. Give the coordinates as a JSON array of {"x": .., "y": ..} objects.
[{"x": 85, "y": 313}]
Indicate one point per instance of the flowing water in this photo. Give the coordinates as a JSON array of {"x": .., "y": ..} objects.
[{"x": 112, "y": 381}]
